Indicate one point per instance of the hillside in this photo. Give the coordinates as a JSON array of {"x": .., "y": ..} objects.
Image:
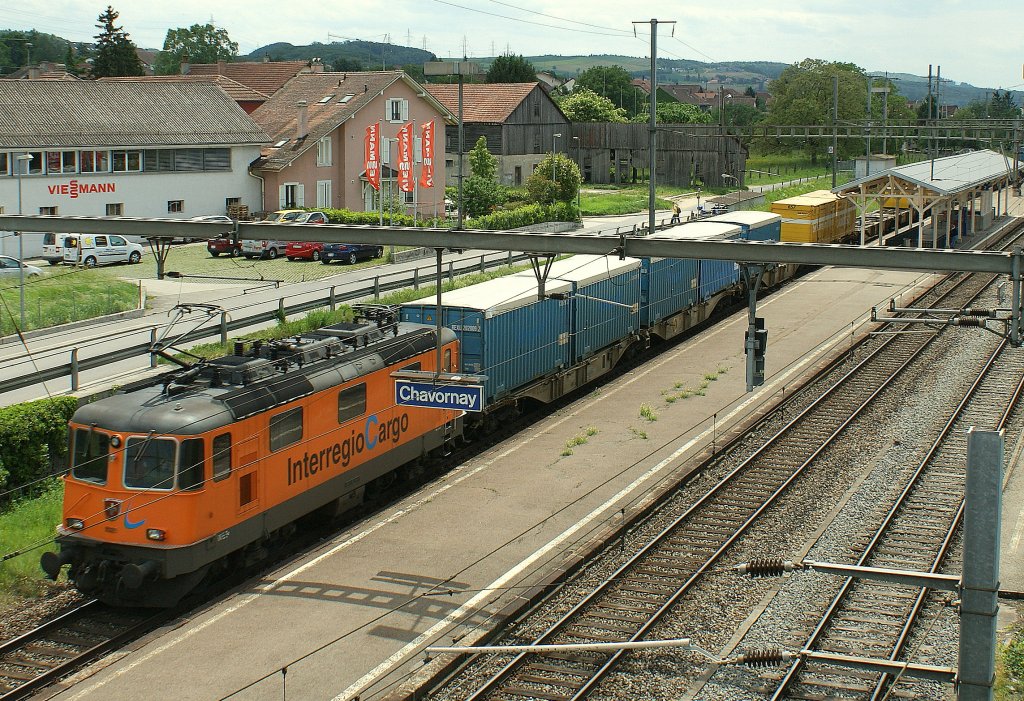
[{"x": 345, "y": 56}]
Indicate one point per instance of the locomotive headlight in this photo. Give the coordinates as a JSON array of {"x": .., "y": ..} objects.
[
  {"x": 155, "y": 534},
  {"x": 115, "y": 441},
  {"x": 75, "y": 524}
]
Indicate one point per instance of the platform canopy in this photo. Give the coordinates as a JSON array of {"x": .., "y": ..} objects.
[{"x": 938, "y": 188}]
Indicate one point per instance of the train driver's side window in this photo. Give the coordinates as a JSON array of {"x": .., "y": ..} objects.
[
  {"x": 221, "y": 456},
  {"x": 351, "y": 403}
]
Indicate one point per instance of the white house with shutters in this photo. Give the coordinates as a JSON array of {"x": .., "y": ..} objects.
[{"x": 317, "y": 123}]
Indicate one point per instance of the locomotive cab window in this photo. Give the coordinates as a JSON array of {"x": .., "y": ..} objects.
[
  {"x": 221, "y": 456},
  {"x": 351, "y": 403},
  {"x": 89, "y": 457},
  {"x": 286, "y": 428},
  {"x": 149, "y": 463},
  {"x": 190, "y": 469}
]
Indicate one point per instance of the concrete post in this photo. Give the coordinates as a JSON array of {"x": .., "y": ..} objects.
[{"x": 980, "y": 582}]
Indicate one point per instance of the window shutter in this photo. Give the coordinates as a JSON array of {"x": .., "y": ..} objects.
[
  {"x": 385, "y": 151},
  {"x": 300, "y": 195},
  {"x": 405, "y": 110},
  {"x": 282, "y": 197}
]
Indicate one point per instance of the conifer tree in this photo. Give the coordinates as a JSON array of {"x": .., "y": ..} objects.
[{"x": 115, "y": 52}]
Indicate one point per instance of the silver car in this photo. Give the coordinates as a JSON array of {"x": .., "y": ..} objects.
[{"x": 9, "y": 268}]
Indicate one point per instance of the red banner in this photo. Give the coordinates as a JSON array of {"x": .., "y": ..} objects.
[
  {"x": 427, "y": 169},
  {"x": 405, "y": 180},
  {"x": 371, "y": 154}
]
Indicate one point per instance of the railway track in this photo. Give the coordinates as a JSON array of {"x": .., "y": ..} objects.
[
  {"x": 875, "y": 619},
  {"x": 65, "y": 644},
  {"x": 629, "y": 603}
]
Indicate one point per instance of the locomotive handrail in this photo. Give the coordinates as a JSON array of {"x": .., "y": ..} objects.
[{"x": 75, "y": 365}]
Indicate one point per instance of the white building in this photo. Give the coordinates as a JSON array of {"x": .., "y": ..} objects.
[{"x": 138, "y": 149}]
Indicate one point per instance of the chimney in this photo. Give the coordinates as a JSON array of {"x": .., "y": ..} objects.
[
  {"x": 185, "y": 68},
  {"x": 316, "y": 65},
  {"x": 220, "y": 67},
  {"x": 33, "y": 72},
  {"x": 302, "y": 127}
]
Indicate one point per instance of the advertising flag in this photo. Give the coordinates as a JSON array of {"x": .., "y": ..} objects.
[
  {"x": 427, "y": 169},
  {"x": 371, "y": 153},
  {"x": 405, "y": 179}
]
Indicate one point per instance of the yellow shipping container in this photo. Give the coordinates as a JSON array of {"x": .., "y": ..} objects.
[{"x": 816, "y": 217}]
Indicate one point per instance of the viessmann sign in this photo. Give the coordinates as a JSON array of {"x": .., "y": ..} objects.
[
  {"x": 425, "y": 394},
  {"x": 74, "y": 188}
]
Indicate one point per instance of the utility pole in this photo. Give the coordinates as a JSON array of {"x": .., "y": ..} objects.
[
  {"x": 867, "y": 148},
  {"x": 652, "y": 138},
  {"x": 835, "y": 127}
]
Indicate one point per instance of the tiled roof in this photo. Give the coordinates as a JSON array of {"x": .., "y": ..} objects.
[
  {"x": 279, "y": 115},
  {"x": 129, "y": 113},
  {"x": 266, "y": 78},
  {"x": 489, "y": 103},
  {"x": 237, "y": 91}
]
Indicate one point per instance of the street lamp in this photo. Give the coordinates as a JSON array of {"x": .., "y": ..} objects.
[
  {"x": 553, "y": 137},
  {"x": 22, "y": 161}
]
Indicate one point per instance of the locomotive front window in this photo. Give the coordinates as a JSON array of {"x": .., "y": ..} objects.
[
  {"x": 89, "y": 460},
  {"x": 351, "y": 403},
  {"x": 221, "y": 456},
  {"x": 149, "y": 463}
]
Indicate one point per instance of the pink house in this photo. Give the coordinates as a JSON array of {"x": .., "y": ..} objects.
[{"x": 318, "y": 123}]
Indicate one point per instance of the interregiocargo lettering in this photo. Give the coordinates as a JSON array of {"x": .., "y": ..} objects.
[{"x": 374, "y": 433}]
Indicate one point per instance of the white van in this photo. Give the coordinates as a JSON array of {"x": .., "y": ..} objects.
[
  {"x": 91, "y": 250},
  {"x": 53, "y": 248}
]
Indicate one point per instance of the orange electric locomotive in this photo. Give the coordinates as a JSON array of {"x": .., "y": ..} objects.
[{"x": 176, "y": 478}]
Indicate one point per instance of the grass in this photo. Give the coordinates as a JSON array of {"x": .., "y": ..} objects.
[
  {"x": 62, "y": 295},
  {"x": 579, "y": 439},
  {"x": 621, "y": 199},
  {"x": 647, "y": 412},
  {"x": 641, "y": 434},
  {"x": 683, "y": 392},
  {"x": 23, "y": 525}
]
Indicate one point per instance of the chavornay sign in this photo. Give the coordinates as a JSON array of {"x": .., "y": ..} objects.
[{"x": 432, "y": 396}]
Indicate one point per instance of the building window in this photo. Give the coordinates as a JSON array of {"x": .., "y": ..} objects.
[
  {"x": 286, "y": 428},
  {"x": 175, "y": 206},
  {"x": 536, "y": 109},
  {"x": 291, "y": 196},
  {"x": 5, "y": 163},
  {"x": 410, "y": 197},
  {"x": 48, "y": 210},
  {"x": 115, "y": 209},
  {"x": 33, "y": 167},
  {"x": 126, "y": 161},
  {"x": 536, "y": 143},
  {"x": 61, "y": 161},
  {"x": 323, "y": 193},
  {"x": 323, "y": 151},
  {"x": 95, "y": 161},
  {"x": 188, "y": 159},
  {"x": 519, "y": 175},
  {"x": 397, "y": 110},
  {"x": 217, "y": 159}
]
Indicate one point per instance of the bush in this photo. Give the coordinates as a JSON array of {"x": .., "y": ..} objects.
[
  {"x": 526, "y": 215},
  {"x": 32, "y": 436}
]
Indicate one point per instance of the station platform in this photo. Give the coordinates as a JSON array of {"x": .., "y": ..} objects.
[{"x": 351, "y": 618}]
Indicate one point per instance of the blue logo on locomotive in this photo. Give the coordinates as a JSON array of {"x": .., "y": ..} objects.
[{"x": 375, "y": 433}]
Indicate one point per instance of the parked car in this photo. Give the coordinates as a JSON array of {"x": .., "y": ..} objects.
[
  {"x": 350, "y": 252},
  {"x": 11, "y": 268},
  {"x": 53, "y": 248},
  {"x": 304, "y": 250},
  {"x": 91, "y": 250},
  {"x": 273, "y": 249},
  {"x": 224, "y": 244}
]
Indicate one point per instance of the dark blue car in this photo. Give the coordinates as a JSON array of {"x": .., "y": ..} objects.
[{"x": 350, "y": 252}]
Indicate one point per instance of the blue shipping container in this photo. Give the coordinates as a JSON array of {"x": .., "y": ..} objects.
[
  {"x": 756, "y": 226},
  {"x": 713, "y": 276},
  {"x": 505, "y": 332},
  {"x": 605, "y": 304}
]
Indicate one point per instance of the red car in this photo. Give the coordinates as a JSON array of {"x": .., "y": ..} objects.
[
  {"x": 304, "y": 250},
  {"x": 224, "y": 245}
]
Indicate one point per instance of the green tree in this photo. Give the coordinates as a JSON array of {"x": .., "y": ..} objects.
[
  {"x": 201, "y": 43},
  {"x": 678, "y": 113},
  {"x": 114, "y": 52},
  {"x": 481, "y": 192},
  {"x": 585, "y": 105},
  {"x": 563, "y": 188},
  {"x": 614, "y": 83},
  {"x": 509, "y": 68}
]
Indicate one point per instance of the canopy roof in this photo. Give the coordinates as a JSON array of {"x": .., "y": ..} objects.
[{"x": 945, "y": 176}]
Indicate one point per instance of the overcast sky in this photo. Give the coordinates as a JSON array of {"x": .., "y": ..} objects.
[{"x": 973, "y": 42}]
